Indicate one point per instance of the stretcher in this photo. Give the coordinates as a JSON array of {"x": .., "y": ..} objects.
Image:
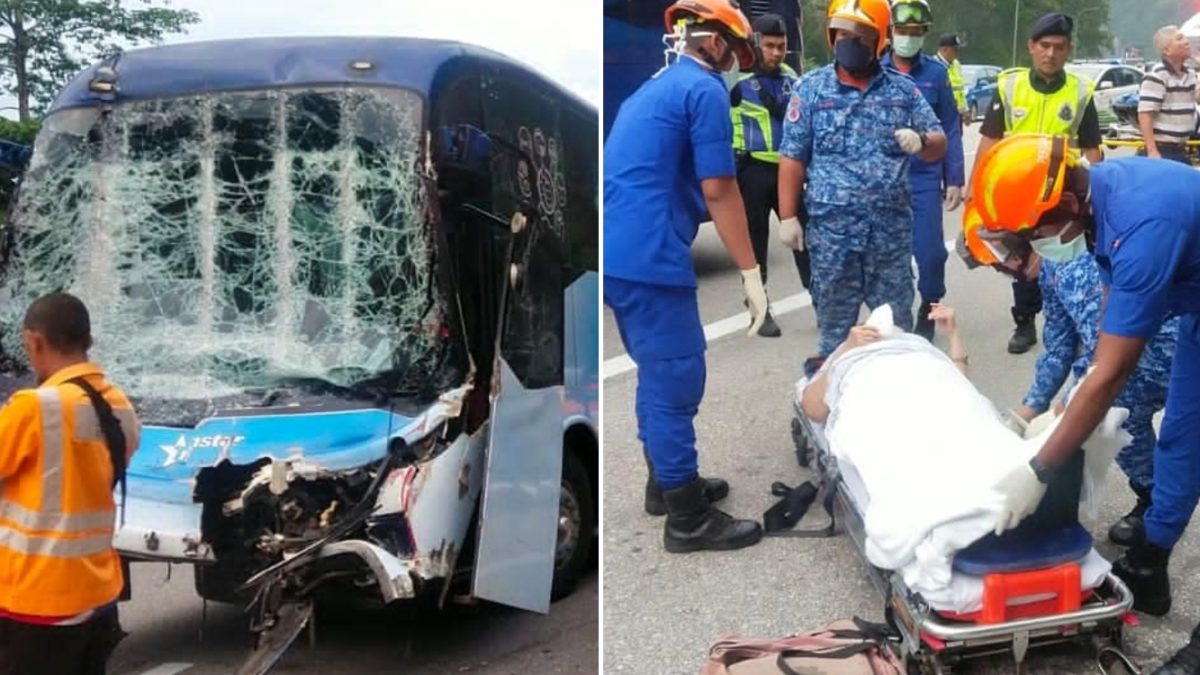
[{"x": 933, "y": 642}]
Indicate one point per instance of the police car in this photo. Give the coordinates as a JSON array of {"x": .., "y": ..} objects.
[{"x": 1113, "y": 79}]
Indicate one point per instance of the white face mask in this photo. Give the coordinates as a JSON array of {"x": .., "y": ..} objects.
[
  {"x": 907, "y": 46},
  {"x": 1056, "y": 250},
  {"x": 732, "y": 75}
]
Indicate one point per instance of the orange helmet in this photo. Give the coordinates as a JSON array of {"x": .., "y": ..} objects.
[
  {"x": 725, "y": 13},
  {"x": 1019, "y": 180},
  {"x": 852, "y": 14}
]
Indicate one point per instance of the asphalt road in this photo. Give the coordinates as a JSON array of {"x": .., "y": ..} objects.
[
  {"x": 164, "y": 620},
  {"x": 662, "y": 611}
]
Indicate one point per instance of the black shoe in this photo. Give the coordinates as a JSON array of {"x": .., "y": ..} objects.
[
  {"x": 1186, "y": 661},
  {"x": 693, "y": 524},
  {"x": 1023, "y": 338},
  {"x": 715, "y": 490},
  {"x": 769, "y": 328},
  {"x": 924, "y": 326},
  {"x": 1143, "y": 568},
  {"x": 1131, "y": 528}
]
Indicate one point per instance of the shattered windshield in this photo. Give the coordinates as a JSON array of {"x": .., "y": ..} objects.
[{"x": 236, "y": 240}]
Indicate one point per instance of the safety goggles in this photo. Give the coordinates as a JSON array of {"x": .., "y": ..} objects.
[
  {"x": 980, "y": 247},
  {"x": 911, "y": 13}
]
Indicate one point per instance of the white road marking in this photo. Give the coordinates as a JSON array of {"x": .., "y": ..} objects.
[
  {"x": 168, "y": 669},
  {"x": 618, "y": 365}
]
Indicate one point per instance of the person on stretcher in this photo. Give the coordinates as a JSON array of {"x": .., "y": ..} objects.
[
  {"x": 813, "y": 402},
  {"x": 923, "y": 451}
]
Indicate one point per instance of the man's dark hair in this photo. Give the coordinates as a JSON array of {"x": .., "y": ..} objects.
[{"x": 63, "y": 319}]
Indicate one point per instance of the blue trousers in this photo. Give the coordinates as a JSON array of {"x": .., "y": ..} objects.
[
  {"x": 1177, "y": 455},
  {"x": 929, "y": 248},
  {"x": 660, "y": 328},
  {"x": 849, "y": 271}
]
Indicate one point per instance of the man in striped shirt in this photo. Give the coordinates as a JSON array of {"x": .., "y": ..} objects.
[{"x": 1167, "y": 99}]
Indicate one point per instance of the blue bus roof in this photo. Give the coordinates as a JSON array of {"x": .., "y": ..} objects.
[{"x": 260, "y": 63}]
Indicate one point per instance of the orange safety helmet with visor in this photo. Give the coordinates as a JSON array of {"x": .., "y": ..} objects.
[
  {"x": 725, "y": 15},
  {"x": 868, "y": 19},
  {"x": 1018, "y": 182}
]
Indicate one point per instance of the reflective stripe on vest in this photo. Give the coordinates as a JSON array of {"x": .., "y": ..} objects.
[
  {"x": 752, "y": 128},
  {"x": 48, "y": 531},
  {"x": 1042, "y": 113}
]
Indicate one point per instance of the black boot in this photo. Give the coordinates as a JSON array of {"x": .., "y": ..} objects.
[
  {"x": 769, "y": 328},
  {"x": 1186, "y": 661},
  {"x": 693, "y": 524},
  {"x": 1143, "y": 568},
  {"x": 1132, "y": 527},
  {"x": 924, "y": 326},
  {"x": 1024, "y": 337},
  {"x": 715, "y": 490}
]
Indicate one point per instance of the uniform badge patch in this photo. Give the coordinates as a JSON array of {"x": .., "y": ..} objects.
[
  {"x": 1019, "y": 113},
  {"x": 793, "y": 111},
  {"x": 1065, "y": 113}
]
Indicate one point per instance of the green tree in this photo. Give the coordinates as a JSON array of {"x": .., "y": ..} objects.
[{"x": 45, "y": 42}]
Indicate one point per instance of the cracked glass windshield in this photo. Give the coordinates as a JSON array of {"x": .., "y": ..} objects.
[{"x": 237, "y": 240}]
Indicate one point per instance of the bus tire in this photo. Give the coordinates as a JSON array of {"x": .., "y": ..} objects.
[{"x": 575, "y": 534}]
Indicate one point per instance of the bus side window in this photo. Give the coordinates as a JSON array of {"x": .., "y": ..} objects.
[
  {"x": 520, "y": 111},
  {"x": 582, "y": 215}
]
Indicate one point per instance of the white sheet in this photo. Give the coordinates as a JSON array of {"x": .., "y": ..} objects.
[{"x": 928, "y": 449}]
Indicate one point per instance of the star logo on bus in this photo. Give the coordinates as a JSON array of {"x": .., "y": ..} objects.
[{"x": 175, "y": 451}]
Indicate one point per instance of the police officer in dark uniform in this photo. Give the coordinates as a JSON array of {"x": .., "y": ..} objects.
[{"x": 761, "y": 99}]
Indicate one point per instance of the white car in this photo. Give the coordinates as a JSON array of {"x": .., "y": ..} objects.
[{"x": 1112, "y": 81}]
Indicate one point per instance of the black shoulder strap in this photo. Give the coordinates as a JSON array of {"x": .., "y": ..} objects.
[{"x": 114, "y": 435}]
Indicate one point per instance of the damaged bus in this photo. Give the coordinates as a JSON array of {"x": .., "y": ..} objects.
[{"x": 351, "y": 285}]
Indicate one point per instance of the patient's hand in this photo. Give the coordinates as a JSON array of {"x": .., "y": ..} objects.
[
  {"x": 943, "y": 318},
  {"x": 862, "y": 335}
]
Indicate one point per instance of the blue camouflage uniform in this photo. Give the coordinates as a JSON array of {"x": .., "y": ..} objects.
[
  {"x": 671, "y": 134},
  {"x": 1147, "y": 215},
  {"x": 859, "y": 233},
  {"x": 1072, "y": 293},
  {"x": 927, "y": 178}
]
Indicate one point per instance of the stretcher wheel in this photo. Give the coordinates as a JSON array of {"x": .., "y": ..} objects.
[{"x": 801, "y": 443}]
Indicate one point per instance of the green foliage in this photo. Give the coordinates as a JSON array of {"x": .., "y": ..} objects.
[
  {"x": 43, "y": 43},
  {"x": 987, "y": 27},
  {"x": 1140, "y": 18},
  {"x": 19, "y": 132}
]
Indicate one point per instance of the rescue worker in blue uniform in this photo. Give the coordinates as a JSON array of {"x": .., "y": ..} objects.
[
  {"x": 668, "y": 156},
  {"x": 934, "y": 184},
  {"x": 761, "y": 98},
  {"x": 1073, "y": 293},
  {"x": 850, "y": 130},
  {"x": 1141, "y": 218}
]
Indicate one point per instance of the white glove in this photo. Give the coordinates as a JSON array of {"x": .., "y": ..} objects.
[
  {"x": 954, "y": 198},
  {"x": 1022, "y": 491},
  {"x": 756, "y": 298},
  {"x": 909, "y": 140},
  {"x": 791, "y": 234}
]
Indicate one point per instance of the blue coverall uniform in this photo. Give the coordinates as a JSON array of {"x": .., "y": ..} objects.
[
  {"x": 860, "y": 233},
  {"x": 672, "y": 133},
  {"x": 927, "y": 178},
  {"x": 1072, "y": 293},
  {"x": 1147, "y": 215}
]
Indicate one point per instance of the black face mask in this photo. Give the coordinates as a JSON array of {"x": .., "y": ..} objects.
[{"x": 856, "y": 57}]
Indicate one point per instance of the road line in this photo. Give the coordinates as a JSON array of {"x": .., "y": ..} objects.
[
  {"x": 619, "y": 365},
  {"x": 168, "y": 669}
]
